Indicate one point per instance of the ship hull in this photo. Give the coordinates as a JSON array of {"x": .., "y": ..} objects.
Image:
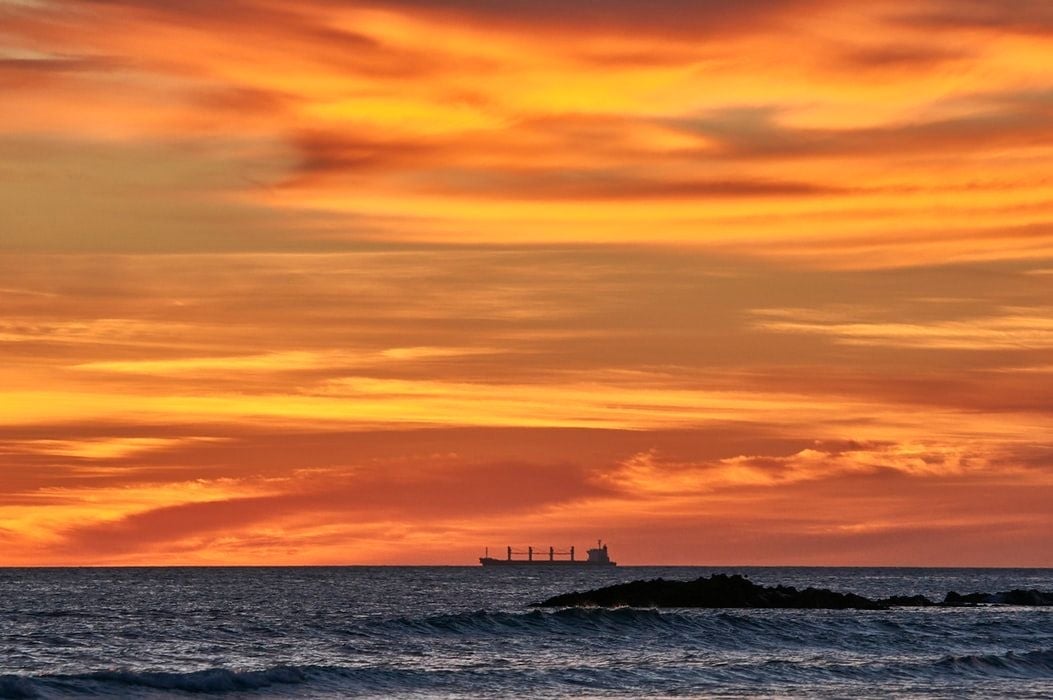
[{"x": 490, "y": 561}]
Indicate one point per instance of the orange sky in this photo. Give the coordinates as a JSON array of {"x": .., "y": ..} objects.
[{"x": 756, "y": 282}]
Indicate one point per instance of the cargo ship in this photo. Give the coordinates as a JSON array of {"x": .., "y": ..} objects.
[{"x": 596, "y": 556}]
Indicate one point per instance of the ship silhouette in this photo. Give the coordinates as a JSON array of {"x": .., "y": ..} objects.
[{"x": 597, "y": 556}]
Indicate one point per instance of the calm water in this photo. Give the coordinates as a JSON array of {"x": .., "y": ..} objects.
[{"x": 468, "y": 632}]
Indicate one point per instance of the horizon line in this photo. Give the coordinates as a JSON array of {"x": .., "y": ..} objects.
[{"x": 9, "y": 567}]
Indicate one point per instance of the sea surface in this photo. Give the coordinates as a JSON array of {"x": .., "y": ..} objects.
[{"x": 460, "y": 632}]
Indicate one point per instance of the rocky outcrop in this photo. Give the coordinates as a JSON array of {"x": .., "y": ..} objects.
[
  {"x": 906, "y": 601},
  {"x": 735, "y": 591},
  {"x": 1016, "y": 596},
  {"x": 717, "y": 591}
]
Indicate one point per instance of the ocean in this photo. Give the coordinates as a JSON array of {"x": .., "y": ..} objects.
[{"x": 466, "y": 632}]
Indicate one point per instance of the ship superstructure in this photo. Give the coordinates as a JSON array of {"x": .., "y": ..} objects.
[{"x": 531, "y": 556}]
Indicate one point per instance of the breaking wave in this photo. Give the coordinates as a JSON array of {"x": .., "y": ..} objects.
[
  {"x": 340, "y": 681},
  {"x": 1029, "y": 664},
  {"x": 765, "y": 650},
  {"x": 215, "y": 680}
]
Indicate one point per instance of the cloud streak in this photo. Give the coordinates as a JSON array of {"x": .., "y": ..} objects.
[{"x": 1019, "y": 329}]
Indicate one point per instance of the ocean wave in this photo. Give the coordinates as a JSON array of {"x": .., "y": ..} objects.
[
  {"x": 276, "y": 681},
  {"x": 17, "y": 687},
  {"x": 730, "y": 627},
  {"x": 687, "y": 676},
  {"x": 1030, "y": 664},
  {"x": 575, "y": 619},
  {"x": 119, "y": 682}
]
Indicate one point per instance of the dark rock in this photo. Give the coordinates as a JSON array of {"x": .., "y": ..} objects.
[
  {"x": 1027, "y": 597},
  {"x": 1016, "y": 596},
  {"x": 717, "y": 591},
  {"x": 724, "y": 591},
  {"x": 955, "y": 599},
  {"x": 907, "y": 601}
]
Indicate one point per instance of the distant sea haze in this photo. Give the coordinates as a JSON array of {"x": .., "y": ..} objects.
[{"x": 465, "y": 632}]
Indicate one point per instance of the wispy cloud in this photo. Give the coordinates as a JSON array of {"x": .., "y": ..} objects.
[
  {"x": 1014, "y": 329},
  {"x": 289, "y": 361},
  {"x": 101, "y": 448}
]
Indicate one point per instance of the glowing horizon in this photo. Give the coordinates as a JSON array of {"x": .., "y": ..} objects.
[{"x": 391, "y": 281}]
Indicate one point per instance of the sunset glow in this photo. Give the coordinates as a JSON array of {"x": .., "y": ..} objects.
[{"x": 321, "y": 282}]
